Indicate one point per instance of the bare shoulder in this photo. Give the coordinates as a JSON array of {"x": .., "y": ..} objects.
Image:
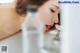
[{"x": 10, "y": 20}]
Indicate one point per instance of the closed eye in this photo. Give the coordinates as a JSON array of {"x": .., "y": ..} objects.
[{"x": 52, "y": 10}]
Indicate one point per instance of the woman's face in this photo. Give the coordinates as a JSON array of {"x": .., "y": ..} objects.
[{"x": 49, "y": 13}]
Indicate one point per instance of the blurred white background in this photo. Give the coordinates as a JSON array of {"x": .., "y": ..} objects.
[{"x": 6, "y": 1}]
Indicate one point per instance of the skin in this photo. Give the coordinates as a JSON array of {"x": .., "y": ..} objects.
[
  {"x": 49, "y": 13},
  {"x": 10, "y": 21}
]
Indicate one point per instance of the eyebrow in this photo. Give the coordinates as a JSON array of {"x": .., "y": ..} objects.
[{"x": 56, "y": 6}]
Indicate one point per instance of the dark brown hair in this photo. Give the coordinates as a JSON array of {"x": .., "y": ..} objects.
[{"x": 21, "y": 7}]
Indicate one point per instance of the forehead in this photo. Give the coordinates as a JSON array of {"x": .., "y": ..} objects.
[{"x": 53, "y": 3}]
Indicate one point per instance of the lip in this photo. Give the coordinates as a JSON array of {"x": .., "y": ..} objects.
[{"x": 48, "y": 27}]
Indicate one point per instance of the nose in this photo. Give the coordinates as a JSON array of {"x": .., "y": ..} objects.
[{"x": 56, "y": 20}]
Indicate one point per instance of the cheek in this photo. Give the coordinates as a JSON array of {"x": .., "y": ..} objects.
[{"x": 46, "y": 16}]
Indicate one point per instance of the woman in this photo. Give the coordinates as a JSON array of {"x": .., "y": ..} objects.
[
  {"x": 11, "y": 22},
  {"x": 48, "y": 10}
]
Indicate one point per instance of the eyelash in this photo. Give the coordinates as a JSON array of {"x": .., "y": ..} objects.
[{"x": 52, "y": 10}]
